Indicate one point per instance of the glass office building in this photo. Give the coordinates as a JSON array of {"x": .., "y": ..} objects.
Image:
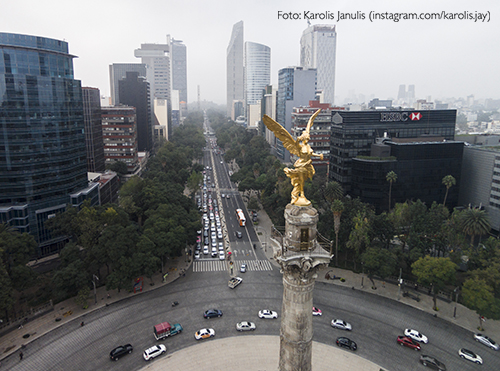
[{"x": 43, "y": 165}]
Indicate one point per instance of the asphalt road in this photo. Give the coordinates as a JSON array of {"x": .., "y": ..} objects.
[{"x": 376, "y": 321}]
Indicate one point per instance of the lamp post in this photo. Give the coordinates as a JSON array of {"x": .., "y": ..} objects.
[
  {"x": 456, "y": 301},
  {"x": 94, "y": 277}
]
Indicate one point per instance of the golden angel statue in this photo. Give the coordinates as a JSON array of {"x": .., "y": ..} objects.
[{"x": 303, "y": 168}]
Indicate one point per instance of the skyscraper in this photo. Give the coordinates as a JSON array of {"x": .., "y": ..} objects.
[
  {"x": 178, "y": 60},
  {"x": 117, "y": 72},
  {"x": 234, "y": 69},
  {"x": 257, "y": 72},
  {"x": 296, "y": 87},
  {"x": 318, "y": 46},
  {"x": 43, "y": 166},
  {"x": 134, "y": 92},
  {"x": 156, "y": 57},
  {"x": 93, "y": 130}
]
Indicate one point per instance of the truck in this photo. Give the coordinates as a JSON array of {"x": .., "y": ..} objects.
[
  {"x": 164, "y": 330},
  {"x": 234, "y": 281}
]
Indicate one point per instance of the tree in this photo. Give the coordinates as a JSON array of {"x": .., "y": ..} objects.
[
  {"x": 475, "y": 222},
  {"x": 391, "y": 178},
  {"x": 337, "y": 208},
  {"x": 477, "y": 295},
  {"x": 333, "y": 191},
  {"x": 358, "y": 238},
  {"x": 83, "y": 297},
  {"x": 434, "y": 272},
  {"x": 448, "y": 182},
  {"x": 378, "y": 261},
  {"x": 118, "y": 167}
]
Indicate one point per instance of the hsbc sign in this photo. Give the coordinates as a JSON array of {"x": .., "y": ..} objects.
[{"x": 399, "y": 116}]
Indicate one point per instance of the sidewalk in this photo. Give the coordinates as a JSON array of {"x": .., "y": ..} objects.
[
  {"x": 465, "y": 317},
  {"x": 68, "y": 310}
]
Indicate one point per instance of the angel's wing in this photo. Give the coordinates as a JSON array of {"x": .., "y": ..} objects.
[
  {"x": 282, "y": 134},
  {"x": 311, "y": 120}
]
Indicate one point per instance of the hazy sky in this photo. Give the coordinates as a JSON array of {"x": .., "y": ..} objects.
[{"x": 442, "y": 58}]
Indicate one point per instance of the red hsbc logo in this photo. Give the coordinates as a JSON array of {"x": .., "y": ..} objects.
[{"x": 415, "y": 116}]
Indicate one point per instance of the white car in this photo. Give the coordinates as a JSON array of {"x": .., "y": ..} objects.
[
  {"x": 154, "y": 351},
  {"x": 415, "y": 335},
  {"x": 221, "y": 246},
  {"x": 266, "y": 313},
  {"x": 245, "y": 326},
  {"x": 243, "y": 268},
  {"x": 221, "y": 255},
  {"x": 486, "y": 341},
  {"x": 470, "y": 356},
  {"x": 219, "y": 236},
  {"x": 338, "y": 323},
  {"x": 197, "y": 255},
  {"x": 204, "y": 333}
]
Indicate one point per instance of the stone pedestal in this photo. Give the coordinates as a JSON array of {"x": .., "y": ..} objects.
[{"x": 300, "y": 258}]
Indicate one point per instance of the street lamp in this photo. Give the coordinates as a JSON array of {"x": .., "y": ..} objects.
[
  {"x": 456, "y": 300},
  {"x": 94, "y": 277}
]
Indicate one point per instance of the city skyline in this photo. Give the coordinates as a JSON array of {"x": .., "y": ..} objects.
[{"x": 442, "y": 58}]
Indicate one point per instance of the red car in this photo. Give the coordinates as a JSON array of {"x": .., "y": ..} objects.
[{"x": 406, "y": 341}]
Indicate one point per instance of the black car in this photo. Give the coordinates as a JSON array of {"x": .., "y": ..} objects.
[
  {"x": 120, "y": 351},
  {"x": 346, "y": 343},
  {"x": 432, "y": 363},
  {"x": 212, "y": 313}
]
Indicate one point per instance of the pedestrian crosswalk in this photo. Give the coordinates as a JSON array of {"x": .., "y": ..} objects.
[{"x": 219, "y": 265}]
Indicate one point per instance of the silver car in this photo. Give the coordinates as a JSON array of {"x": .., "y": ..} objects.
[
  {"x": 245, "y": 326},
  {"x": 486, "y": 341},
  {"x": 338, "y": 323}
]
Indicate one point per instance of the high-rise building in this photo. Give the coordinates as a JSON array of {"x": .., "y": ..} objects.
[
  {"x": 318, "y": 46},
  {"x": 178, "y": 60},
  {"x": 296, "y": 87},
  {"x": 234, "y": 69},
  {"x": 257, "y": 72},
  {"x": 117, "y": 72},
  {"x": 420, "y": 168},
  {"x": 120, "y": 135},
  {"x": 156, "y": 57},
  {"x": 93, "y": 129},
  {"x": 43, "y": 166},
  {"x": 134, "y": 92},
  {"x": 354, "y": 133}
]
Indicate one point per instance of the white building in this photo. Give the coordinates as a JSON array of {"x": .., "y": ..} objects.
[
  {"x": 318, "y": 46},
  {"x": 234, "y": 70},
  {"x": 257, "y": 72}
]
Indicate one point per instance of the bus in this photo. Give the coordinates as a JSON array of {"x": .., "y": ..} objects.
[{"x": 241, "y": 217}]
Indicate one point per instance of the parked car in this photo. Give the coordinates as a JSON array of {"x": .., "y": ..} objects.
[
  {"x": 470, "y": 356},
  {"x": 120, "y": 351},
  {"x": 432, "y": 363},
  {"x": 340, "y": 324},
  {"x": 204, "y": 333},
  {"x": 346, "y": 343},
  {"x": 154, "y": 351},
  {"x": 317, "y": 312},
  {"x": 269, "y": 314},
  {"x": 486, "y": 341},
  {"x": 415, "y": 335},
  {"x": 245, "y": 326},
  {"x": 408, "y": 342},
  {"x": 212, "y": 313}
]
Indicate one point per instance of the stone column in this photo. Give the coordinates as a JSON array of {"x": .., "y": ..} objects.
[{"x": 300, "y": 258}]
